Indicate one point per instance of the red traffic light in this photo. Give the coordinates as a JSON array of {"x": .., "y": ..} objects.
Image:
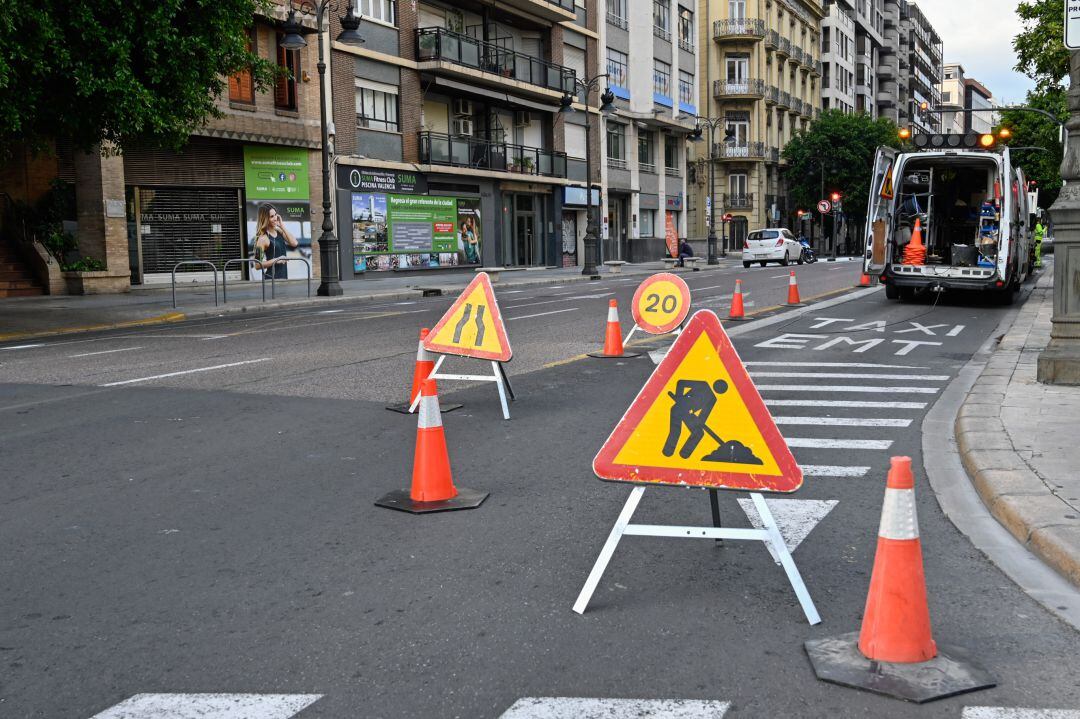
[{"x": 835, "y": 197}]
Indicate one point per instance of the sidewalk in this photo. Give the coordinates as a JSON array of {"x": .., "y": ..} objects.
[
  {"x": 31, "y": 317},
  {"x": 1020, "y": 441}
]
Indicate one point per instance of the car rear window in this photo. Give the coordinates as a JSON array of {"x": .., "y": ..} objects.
[{"x": 763, "y": 235}]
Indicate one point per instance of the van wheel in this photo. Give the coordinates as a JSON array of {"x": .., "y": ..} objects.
[
  {"x": 892, "y": 292},
  {"x": 785, "y": 262},
  {"x": 763, "y": 263},
  {"x": 746, "y": 265},
  {"x": 1007, "y": 297}
]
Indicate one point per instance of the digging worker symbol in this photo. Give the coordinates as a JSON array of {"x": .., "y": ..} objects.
[{"x": 694, "y": 401}]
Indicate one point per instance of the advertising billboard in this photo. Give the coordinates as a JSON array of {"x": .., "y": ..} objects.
[{"x": 395, "y": 231}]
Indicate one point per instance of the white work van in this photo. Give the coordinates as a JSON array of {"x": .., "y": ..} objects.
[{"x": 971, "y": 209}]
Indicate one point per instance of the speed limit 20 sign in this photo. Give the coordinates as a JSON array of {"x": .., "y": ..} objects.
[{"x": 661, "y": 303}]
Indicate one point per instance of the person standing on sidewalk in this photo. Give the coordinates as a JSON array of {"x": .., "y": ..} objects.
[{"x": 1040, "y": 232}]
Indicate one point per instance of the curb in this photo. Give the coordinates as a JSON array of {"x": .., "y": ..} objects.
[{"x": 1011, "y": 490}]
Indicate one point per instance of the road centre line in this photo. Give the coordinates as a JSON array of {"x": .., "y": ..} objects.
[
  {"x": 825, "y": 443},
  {"x": 853, "y": 375},
  {"x": 844, "y": 421},
  {"x": 776, "y": 277},
  {"x": 23, "y": 347},
  {"x": 832, "y": 364},
  {"x": 852, "y": 404},
  {"x": 564, "y": 299},
  {"x": 104, "y": 352},
  {"x": 846, "y": 388},
  {"x": 589, "y": 708},
  {"x": 183, "y": 372},
  {"x": 542, "y": 314},
  {"x": 827, "y": 470}
]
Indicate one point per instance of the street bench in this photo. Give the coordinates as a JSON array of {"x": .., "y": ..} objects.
[
  {"x": 493, "y": 272},
  {"x": 615, "y": 266},
  {"x": 670, "y": 262},
  {"x": 691, "y": 262}
]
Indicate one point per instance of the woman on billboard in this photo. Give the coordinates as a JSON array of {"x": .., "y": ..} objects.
[{"x": 272, "y": 243}]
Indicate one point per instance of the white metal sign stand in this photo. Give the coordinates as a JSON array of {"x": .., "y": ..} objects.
[
  {"x": 769, "y": 533},
  {"x": 498, "y": 376}
]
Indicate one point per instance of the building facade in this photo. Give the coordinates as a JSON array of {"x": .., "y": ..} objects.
[
  {"x": 851, "y": 41},
  {"x": 762, "y": 75},
  {"x": 911, "y": 68}
]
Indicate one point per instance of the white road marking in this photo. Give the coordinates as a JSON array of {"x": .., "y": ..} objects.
[
  {"x": 23, "y": 347},
  {"x": 542, "y": 314},
  {"x": 509, "y": 292},
  {"x": 564, "y": 299},
  {"x": 584, "y": 708},
  {"x": 828, "y": 470},
  {"x": 851, "y": 404},
  {"x": 1018, "y": 713},
  {"x": 825, "y": 443},
  {"x": 187, "y": 371},
  {"x": 845, "y": 388},
  {"x": 955, "y": 331},
  {"x": 334, "y": 312},
  {"x": 795, "y": 517},
  {"x": 210, "y": 706},
  {"x": 105, "y": 352},
  {"x": 854, "y": 375},
  {"x": 833, "y": 364},
  {"x": 710, "y": 287},
  {"x": 776, "y": 277},
  {"x": 844, "y": 421}
]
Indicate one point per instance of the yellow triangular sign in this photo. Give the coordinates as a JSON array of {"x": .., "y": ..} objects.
[
  {"x": 887, "y": 185},
  {"x": 699, "y": 421},
  {"x": 473, "y": 326}
]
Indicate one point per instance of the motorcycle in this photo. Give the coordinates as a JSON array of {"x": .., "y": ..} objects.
[{"x": 808, "y": 255}]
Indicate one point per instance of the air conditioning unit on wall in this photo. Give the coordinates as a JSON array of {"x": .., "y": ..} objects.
[
  {"x": 463, "y": 108},
  {"x": 461, "y": 126}
]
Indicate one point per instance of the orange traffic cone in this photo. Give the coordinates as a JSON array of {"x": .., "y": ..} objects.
[
  {"x": 895, "y": 653},
  {"x": 915, "y": 252},
  {"x": 793, "y": 291},
  {"x": 864, "y": 280},
  {"x": 433, "y": 487},
  {"x": 737, "y": 311},
  {"x": 613, "y": 344},
  {"x": 896, "y": 622},
  {"x": 425, "y": 363}
]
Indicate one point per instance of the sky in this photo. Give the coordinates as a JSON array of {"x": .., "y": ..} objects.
[{"x": 979, "y": 37}]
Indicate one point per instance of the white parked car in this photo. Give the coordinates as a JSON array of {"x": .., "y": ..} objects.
[{"x": 774, "y": 245}]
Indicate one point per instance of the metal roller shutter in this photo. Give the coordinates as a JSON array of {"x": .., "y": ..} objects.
[{"x": 186, "y": 223}]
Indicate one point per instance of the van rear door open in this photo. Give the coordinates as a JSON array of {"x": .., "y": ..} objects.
[{"x": 879, "y": 212}]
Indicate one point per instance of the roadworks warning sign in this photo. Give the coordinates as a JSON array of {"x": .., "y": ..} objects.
[
  {"x": 700, "y": 421},
  {"x": 473, "y": 326}
]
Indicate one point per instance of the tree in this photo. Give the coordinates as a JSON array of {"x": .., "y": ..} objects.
[
  {"x": 839, "y": 148},
  {"x": 1031, "y": 130},
  {"x": 1040, "y": 52},
  {"x": 142, "y": 71}
]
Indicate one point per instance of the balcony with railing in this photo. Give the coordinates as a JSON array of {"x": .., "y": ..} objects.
[
  {"x": 806, "y": 109},
  {"x": 461, "y": 55},
  {"x": 553, "y": 10},
  {"x": 731, "y": 201},
  {"x": 815, "y": 68},
  {"x": 772, "y": 94},
  {"x": 477, "y": 153},
  {"x": 747, "y": 88},
  {"x": 796, "y": 105},
  {"x": 798, "y": 54},
  {"x": 740, "y": 151},
  {"x": 784, "y": 48},
  {"x": 785, "y": 99},
  {"x": 772, "y": 39},
  {"x": 772, "y": 154},
  {"x": 740, "y": 29}
]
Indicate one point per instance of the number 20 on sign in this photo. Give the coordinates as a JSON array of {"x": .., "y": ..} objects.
[{"x": 661, "y": 303}]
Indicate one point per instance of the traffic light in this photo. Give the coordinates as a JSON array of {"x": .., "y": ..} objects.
[{"x": 835, "y": 197}]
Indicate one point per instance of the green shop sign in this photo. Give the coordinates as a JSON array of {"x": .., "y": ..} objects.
[
  {"x": 422, "y": 224},
  {"x": 275, "y": 173}
]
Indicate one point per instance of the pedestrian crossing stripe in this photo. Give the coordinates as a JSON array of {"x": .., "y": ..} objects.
[
  {"x": 699, "y": 421},
  {"x": 473, "y": 326}
]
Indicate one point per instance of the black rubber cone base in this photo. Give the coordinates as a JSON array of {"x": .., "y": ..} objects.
[
  {"x": 403, "y": 408},
  {"x": 951, "y": 672},
  {"x": 400, "y": 500},
  {"x": 624, "y": 355}
]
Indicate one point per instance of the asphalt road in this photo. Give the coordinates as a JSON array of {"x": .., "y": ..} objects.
[{"x": 214, "y": 530}]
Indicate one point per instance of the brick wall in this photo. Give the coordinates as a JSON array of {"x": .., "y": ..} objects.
[{"x": 100, "y": 178}]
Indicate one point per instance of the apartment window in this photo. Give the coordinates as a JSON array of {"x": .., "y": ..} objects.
[
  {"x": 617, "y": 67},
  {"x": 381, "y": 10},
  {"x": 671, "y": 154},
  {"x": 647, "y": 151},
  {"x": 686, "y": 88},
  {"x": 662, "y": 78},
  {"x": 285, "y": 86},
  {"x": 737, "y": 9},
  {"x": 737, "y": 185},
  {"x": 376, "y": 106},
  {"x": 738, "y": 68},
  {"x": 242, "y": 84},
  {"x": 686, "y": 29},
  {"x": 616, "y": 13},
  {"x": 648, "y": 224},
  {"x": 738, "y": 124},
  {"x": 661, "y": 18},
  {"x": 946, "y": 96},
  {"x": 616, "y": 144}
]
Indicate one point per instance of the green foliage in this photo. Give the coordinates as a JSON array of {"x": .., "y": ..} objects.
[
  {"x": 44, "y": 221},
  {"x": 142, "y": 71},
  {"x": 843, "y": 146},
  {"x": 84, "y": 264},
  {"x": 1031, "y": 130},
  {"x": 1040, "y": 49}
]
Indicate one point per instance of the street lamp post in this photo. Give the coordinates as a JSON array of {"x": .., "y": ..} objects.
[
  {"x": 607, "y": 106},
  {"x": 729, "y": 140},
  {"x": 329, "y": 251}
]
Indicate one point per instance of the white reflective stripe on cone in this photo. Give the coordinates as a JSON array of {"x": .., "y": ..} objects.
[
  {"x": 791, "y": 279},
  {"x": 898, "y": 517},
  {"x": 612, "y": 314},
  {"x": 430, "y": 416},
  {"x": 422, "y": 355}
]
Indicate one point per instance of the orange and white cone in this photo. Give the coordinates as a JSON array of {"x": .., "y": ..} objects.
[
  {"x": 894, "y": 653},
  {"x": 896, "y": 622},
  {"x": 433, "y": 487},
  {"x": 864, "y": 281},
  {"x": 613, "y": 344},
  {"x": 423, "y": 367},
  {"x": 793, "y": 290},
  {"x": 737, "y": 310},
  {"x": 915, "y": 251}
]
